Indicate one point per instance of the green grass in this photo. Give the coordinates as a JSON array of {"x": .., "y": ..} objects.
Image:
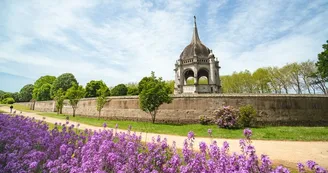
[{"x": 265, "y": 133}]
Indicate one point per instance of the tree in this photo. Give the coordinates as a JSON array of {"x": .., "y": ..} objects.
[
  {"x": 307, "y": 69},
  {"x": 295, "y": 72},
  {"x": 43, "y": 84},
  {"x": 170, "y": 84},
  {"x": 285, "y": 78},
  {"x": 15, "y": 96},
  {"x": 133, "y": 89},
  {"x": 101, "y": 99},
  {"x": 93, "y": 86},
  {"x": 275, "y": 82},
  {"x": 59, "y": 97},
  {"x": 25, "y": 94},
  {"x": 261, "y": 79},
  {"x": 74, "y": 95},
  {"x": 44, "y": 92},
  {"x": 153, "y": 94},
  {"x": 119, "y": 90},
  {"x": 322, "y": 63},
  {"x": 64, "y": 81}
]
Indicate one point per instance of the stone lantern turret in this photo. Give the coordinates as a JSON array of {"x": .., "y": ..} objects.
[{"x": 197, "y": 61}]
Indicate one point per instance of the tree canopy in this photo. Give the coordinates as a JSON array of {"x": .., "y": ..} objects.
[
  {"x": 93, "y": 86},
  {"x": 119, "y": 90},
  {"x": 42, "y": 88},
  {"x": 322, "y": 63},
  {"x": 154, "y": 93},
  {"x": 64, "y": 81},
  {"x": 25, "y": 94}
]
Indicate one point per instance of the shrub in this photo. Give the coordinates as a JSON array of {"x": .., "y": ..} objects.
[
  {"x": 204, "y": 120},
  {"x": 247, "y": 115},
  {"x": 227, "y": 117},
  {"x": 8, "y": 100}
]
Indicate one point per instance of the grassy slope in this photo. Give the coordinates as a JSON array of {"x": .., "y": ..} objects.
[{"x": 266, "y": 133}]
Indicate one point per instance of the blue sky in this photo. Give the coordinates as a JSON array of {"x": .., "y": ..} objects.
[{"x": 123, "y": 41}]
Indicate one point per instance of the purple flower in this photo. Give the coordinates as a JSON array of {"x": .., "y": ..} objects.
[
  {"x": 209, "y": 131},
  {"x": 202, "y": 147},
  {"x": 116, "y": 126},
  {"x": 247, "y": 133},
  {"x": 300, "y": 167},
  {"x": 104, "y": 125},
  {"x": 67, "y": 122},
  {"x": 33, "y": 165},
  {"x": 311, "y": 164},
  {"x": 191, "y": 135}
]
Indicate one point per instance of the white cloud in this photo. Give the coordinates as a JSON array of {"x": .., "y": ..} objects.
[{"x": 122, "y": 41}]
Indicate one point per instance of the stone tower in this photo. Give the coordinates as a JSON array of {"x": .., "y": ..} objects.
[{"x": 197, "y": 61}]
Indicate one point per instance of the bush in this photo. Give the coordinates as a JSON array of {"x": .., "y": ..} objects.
[
  {"x": 227, "y": 117},
  {"x": 247, "y": 115},
  {"x": 8, "y": 100},
  {"x": 204, "y": 120}
]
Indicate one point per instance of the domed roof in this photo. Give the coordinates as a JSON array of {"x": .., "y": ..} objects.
[{"x": 196, "y": 47}]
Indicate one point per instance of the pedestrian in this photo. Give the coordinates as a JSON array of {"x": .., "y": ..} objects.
[{"x": 11, "y": 108}]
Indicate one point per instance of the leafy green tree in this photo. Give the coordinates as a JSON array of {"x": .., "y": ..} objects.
[
  {"x": 119, "y": 90},
  {"x": 25, "y": 94},
  {"x": 307, "y": 68},
  {"x": 143, "y": 82},
  {"x": 274, "y": 76},
  {"x": 59, "y": 97},
  {"x": 153, "y": 94},
  {"x": 261, "y": 79},
  {"x": 93, "y": 86},
  {"x": 44, "y": 92},
  {"x": 322, "y": 63},
  {"x": 294, "y": 70},
  {"x": 64, "y": 81},
  {"x": 133, "y": 90},
  {"x": 43, "y": 84},
  {"x": 170, "y": 85},
  {"x": 101, "y": 99},
  {"x": 15, "y": 96},
  {"x": 285, "y": 78},
  {"x": 74, "y": 95}
]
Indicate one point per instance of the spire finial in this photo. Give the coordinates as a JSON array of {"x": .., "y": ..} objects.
[{"x": 195, "y": 21}]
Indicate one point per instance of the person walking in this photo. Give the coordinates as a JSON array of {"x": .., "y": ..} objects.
[{"x": 11, "y": 108}]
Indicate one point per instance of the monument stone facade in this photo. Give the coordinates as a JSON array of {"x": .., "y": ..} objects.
[{"x": 197, "y": 61}]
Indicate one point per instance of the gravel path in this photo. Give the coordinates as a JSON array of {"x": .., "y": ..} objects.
[{"x": 287, "y": 152}]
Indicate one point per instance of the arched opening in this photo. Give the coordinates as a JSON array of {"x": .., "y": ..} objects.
[
  {"x": 203, "y": 76},
  {"x": 189, "y": 77}
]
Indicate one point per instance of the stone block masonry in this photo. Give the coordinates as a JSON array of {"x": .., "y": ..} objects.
[{"x": 273, "y": 109}]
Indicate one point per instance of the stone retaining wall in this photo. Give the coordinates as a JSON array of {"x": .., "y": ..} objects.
[{"x": 273, "y": 109}]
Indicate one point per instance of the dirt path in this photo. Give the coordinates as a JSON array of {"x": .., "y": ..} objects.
[{"x": 287, "y": 152}]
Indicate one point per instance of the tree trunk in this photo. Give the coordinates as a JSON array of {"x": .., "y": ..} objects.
[
  {"x": 153, "y": 116},
  {"x": 73, "y": 112},
  {"x": 99, "y": 114},
  {"x": 61, "y": 110}
]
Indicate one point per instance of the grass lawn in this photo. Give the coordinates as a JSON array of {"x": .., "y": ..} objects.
[{"x": 264, "y": 133}]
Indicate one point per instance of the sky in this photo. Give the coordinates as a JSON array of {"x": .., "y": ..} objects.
[{"x": 123, "y": 41}]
